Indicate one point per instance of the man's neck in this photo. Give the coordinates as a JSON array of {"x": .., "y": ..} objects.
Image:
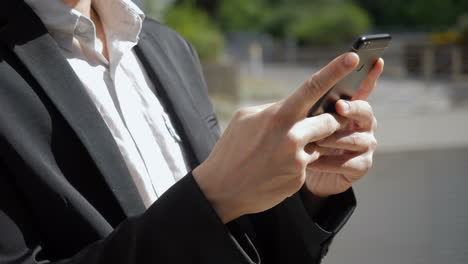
[{"x": 85, "y": 8}]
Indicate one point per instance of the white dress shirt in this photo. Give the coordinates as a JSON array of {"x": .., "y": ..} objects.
[{"x": 120, "y": 89}]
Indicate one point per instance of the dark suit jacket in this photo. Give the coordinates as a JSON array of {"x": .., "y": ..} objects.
[{"x": 66, "y": 195}]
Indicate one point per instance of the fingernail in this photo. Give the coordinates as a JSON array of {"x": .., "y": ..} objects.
[
  {"x": 345, "y": 106},
  {"x": 350, "y": 59}
]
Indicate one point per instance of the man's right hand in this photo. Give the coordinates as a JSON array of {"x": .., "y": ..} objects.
[{"x": 261, "y": 158}]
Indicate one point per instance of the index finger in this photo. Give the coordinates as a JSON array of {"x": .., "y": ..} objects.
[{"x": 300, "y": 101}]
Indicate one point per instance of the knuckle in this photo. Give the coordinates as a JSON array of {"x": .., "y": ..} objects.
[
  {"x": 300, "y": 162},
  {"x": 337, "y": 71},
  {"x": 361, "y": 108},
  {"x": 366, "y": 105},
  {"x": 357, "y": 108},
  {"x": 366, "y": 164},
  {"x": 271, "y": 116},
  {"x": 293, "y": 140},
  {"x": 242, "y": 112},
  {"x": 354, "y": 139},
  {"x": 352, "y": 107},
  {"x": 277, "y": 117},
  {"x": 329, "y": 123},
  {"x": 314, "y": 83}
]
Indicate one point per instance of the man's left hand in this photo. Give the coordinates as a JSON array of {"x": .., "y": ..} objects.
[{"x": 347, "y": 155}]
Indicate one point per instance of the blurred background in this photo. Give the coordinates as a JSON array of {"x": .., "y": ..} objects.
[{"x": 413, "y": 205}]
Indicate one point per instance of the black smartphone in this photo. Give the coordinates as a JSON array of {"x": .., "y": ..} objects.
[{"x": 369, "y": 48}]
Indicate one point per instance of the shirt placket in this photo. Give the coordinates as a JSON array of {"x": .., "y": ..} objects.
[
  {"x": 165, "y": 134},
  {"x": 138, "y": 126}
]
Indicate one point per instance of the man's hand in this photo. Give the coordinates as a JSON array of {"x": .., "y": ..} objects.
[
  {"x": 346, "y": 156},
  {"x": 260, "y": 159}
]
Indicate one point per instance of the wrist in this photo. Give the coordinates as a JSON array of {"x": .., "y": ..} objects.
[
  {"x": 313, "y": 189},
  {"x": 317, "y": 195},
  {"x": 224, "y": 207},
  {"x": 311, "y": 196}
]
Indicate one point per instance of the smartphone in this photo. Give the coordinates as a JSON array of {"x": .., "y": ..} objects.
[{"x": 369, "y": 48}]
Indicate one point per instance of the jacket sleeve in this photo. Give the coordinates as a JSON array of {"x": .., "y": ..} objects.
[
  {"x": 288, "y": 233},
  {"x": 180, "y": 227}
]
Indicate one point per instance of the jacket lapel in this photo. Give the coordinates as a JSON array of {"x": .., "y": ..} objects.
[
  {"x": 30, "y": 41},
  {"x": 172, "y": 87}
]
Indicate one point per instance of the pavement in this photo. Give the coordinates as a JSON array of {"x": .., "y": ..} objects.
[
  {"x": 424, "y": 131},
  {"x": 412, "y": 208}
]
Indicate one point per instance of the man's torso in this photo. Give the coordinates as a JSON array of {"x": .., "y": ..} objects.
[{"x": 57, "y": 151}]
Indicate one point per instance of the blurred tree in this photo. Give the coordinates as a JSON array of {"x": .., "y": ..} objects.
[
  {"x": 308, "y": 21},
  {"x": 416, "y": 14},
  {"x": 242, "y": 15},
  {"x": 330, "y": 23},
  {"x": 196, "y": 26},
  {"x": 462, "y": 26},
  {"x": 208, "y": 5}
]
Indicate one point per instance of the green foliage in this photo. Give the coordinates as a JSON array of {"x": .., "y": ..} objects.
[
  {"x": 196, "y": 26},
  {"x": 242, "y": 15},
  {"x": 309, "y": 21},
  {"x": 329, "y": 23},
  {"x": 307, "y": 18},
  {"x": 420, "y": 14},
  {"x": 462, "y": 27}
]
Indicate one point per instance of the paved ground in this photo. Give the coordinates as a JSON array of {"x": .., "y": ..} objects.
[
  {"x": 430, "y": 131},
  {"x": 412, "y": 208}
]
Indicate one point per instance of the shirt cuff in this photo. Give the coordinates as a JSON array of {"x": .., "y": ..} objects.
[{"x": 334, "y": 211}]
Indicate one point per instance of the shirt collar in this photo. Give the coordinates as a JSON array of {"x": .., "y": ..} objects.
[{"x": 121, "y": 18}]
